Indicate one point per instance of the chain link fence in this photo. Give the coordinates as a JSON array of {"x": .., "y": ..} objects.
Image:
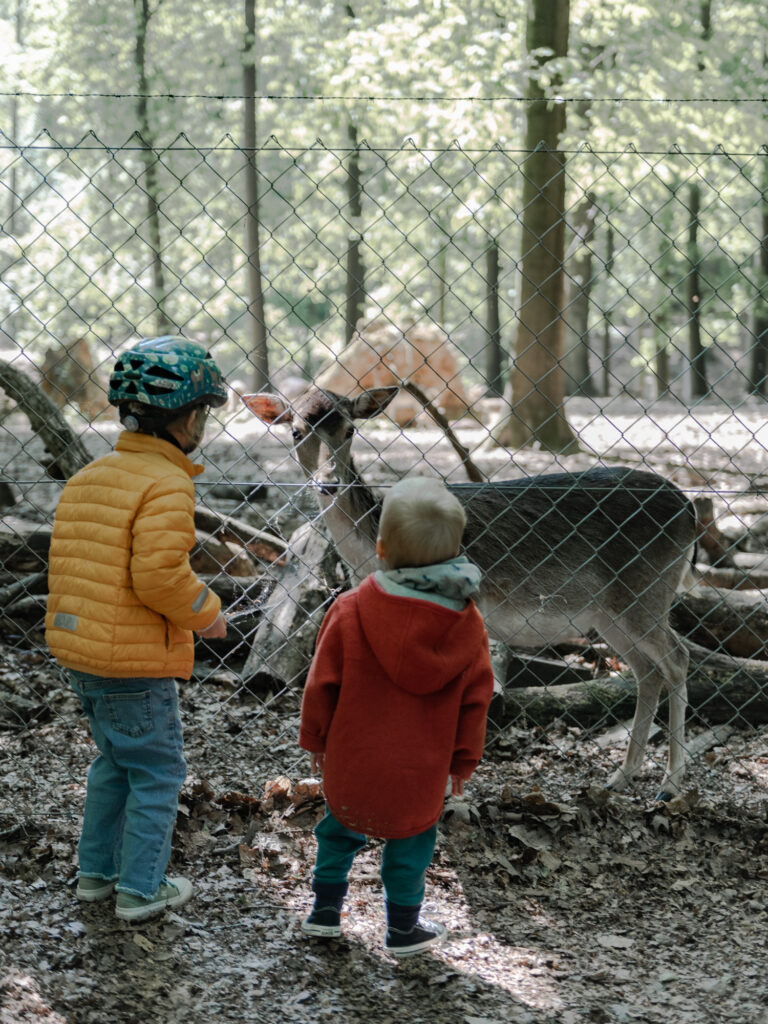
[{"x": 378, "y": 268}]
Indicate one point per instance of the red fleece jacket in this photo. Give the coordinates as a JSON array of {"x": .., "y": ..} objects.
[{"x": 396, "y": 698}]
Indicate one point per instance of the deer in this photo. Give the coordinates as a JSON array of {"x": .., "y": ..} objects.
[{"x": 562, "y": 554}]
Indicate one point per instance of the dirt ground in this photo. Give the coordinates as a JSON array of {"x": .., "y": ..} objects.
[{"x": 565, "y": 903}]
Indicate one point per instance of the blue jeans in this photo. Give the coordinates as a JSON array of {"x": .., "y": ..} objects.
[
  {"x": 133, "y": 785},
  {"x": 404, "y": 862}
]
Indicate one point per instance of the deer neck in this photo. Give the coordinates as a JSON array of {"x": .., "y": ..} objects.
[{"x": 351, "y": 511}]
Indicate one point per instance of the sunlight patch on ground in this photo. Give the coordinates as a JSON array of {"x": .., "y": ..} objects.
[
  {"x": 525, "y": 972},
  {"x": 21, "y": 1000}
]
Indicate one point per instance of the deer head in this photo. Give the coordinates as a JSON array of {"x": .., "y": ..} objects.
[{"x": 322, "y": 426}]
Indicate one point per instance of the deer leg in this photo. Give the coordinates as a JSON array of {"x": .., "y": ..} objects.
[
  {"x": 649, "y": 684},
  {"x": 657, "y": 660},
  {"x": 676, "y": 671}
]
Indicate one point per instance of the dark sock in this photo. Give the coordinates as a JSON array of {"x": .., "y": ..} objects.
[
  {"x": 329, "y": 894},
  {"x": 402, "y": 918}
]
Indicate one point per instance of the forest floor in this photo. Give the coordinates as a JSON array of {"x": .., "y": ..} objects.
[{"x": 565, "y": 903}]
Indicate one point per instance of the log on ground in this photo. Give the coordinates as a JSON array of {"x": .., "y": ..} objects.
[
  {"x": 23, "y": 545},
  {"x": 731, "y": 622},
  {"x": 721, "y": 689},
  {"x": 740, "y": 578}
]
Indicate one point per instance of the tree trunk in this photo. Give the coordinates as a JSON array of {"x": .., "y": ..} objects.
[
  {"x": 150, "y": 186},
  {"x": 354, "y": 305},
  {"x": 255, "y": 315},
  {"x": 11, "y": 228},
  {"x": 577, "y": 344},
  {"x": 66, "y": 450},
  {"x": 661, "y": 365},
  {"x": 607, "y": 325},
  {"x": 494, "y": 354},
  {"x": 758, "y": 364},
  {"x": 355, "y": 285},
  {"x": 696, "y": 352},
  {"x": 537, "y": 379},
  {"x": 439, "y": 263}
]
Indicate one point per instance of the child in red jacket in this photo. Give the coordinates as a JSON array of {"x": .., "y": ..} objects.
[{"x": 395, "y": 703}]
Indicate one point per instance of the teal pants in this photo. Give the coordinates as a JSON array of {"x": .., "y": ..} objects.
[{"x": 404, "y": 862}]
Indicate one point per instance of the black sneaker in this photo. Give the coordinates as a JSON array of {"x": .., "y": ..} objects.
[
  {"x": 423, "y": 935},
  {"x": 324, "y": 923}
]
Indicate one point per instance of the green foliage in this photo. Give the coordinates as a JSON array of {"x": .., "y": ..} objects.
[{"x": 432, "y": 88}]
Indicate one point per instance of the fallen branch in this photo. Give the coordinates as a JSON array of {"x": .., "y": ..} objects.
[
  {"x": 473, "y": 473},
  {"x": 68, "y": 454},
  {"x": 265, "y": 546},
  {"x": 14, "y": 592},
  {"x": 235, "y": 589}
]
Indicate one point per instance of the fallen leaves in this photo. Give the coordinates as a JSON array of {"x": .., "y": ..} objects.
[
  {"x": 614, "y": 941},
  {"x": 566, "y": 902}
]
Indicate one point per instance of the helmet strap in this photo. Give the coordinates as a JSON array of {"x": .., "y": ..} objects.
[{"x": 155, "y": 425}]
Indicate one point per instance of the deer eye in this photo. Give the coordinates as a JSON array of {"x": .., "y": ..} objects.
[{"x": 296, "y": 435}]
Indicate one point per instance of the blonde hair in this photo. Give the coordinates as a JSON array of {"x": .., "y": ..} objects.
[{"x": 421, "y": 523}]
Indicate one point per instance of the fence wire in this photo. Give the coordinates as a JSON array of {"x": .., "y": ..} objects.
[{"x": 385, "y": 268}]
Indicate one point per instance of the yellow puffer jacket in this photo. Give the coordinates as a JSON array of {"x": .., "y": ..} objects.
[{"x": 123, "y": 598}]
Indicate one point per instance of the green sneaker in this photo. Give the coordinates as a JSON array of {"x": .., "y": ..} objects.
[
  {"x": 93, "y": 890},
  {"x": 171, "y": 893}
]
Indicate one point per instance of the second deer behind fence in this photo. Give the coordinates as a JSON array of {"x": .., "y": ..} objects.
[{"x": 561, "y": 554}]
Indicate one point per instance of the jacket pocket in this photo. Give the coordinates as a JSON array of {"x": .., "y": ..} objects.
[
  {"x": 130, "y": 713},
  {"x": 174, "y": 635}
]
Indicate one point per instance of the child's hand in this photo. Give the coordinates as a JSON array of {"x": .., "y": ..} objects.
[
  {"x": 317, "y": 763},
  {"x": 216, "y": 631},
  {"x": 457, "y": 785}
]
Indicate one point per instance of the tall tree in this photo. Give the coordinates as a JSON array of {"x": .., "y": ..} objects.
[
  {"x": 758, "y": 365},
  {"x": 579, "y": 276},
  {"x": 538, "y": 392},
  {"x": 355, "y": 268},
  {"x": 696, "y": 352},
  {"x": 255, "y": 314},
  {"x": 494, "y": 372},
  {"x": 149, "y": 157},
  {"x": 605, "y": 361},
  {"x": 665, "y": 314},
  {"x": 14, "y": 202}
]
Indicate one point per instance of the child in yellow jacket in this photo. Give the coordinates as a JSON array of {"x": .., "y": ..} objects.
[{"x": 123, "y": 604}]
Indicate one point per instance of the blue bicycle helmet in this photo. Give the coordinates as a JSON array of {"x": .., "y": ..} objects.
[{"x": 168, "y": 373}]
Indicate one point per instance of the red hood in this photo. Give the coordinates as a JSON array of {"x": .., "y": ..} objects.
[{"x": 420, "y": 645}]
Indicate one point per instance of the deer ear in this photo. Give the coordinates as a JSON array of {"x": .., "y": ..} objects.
[
  {"x": 268, "y": 408},
  {"x": 371, "y": 403}
]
